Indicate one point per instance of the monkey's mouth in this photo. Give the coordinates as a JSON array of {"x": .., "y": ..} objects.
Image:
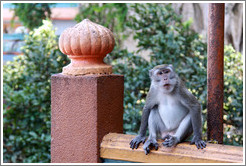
[{"x": 166, "y": 85}]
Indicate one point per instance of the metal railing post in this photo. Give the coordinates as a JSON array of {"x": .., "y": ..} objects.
[{"x": 215, "y": 70}]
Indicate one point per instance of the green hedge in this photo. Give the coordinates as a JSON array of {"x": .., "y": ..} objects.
[
  {"x": 159, "y": 30},
  {"x": 26, "y": 93}
]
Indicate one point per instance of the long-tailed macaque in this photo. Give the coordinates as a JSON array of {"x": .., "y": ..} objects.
[{"x": 170, "y": 112}]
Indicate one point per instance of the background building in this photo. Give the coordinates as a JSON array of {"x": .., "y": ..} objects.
[{"x": 62, "y": 16}]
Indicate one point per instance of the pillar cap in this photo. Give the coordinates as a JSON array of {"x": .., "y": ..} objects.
[{"x": 86, "y": 44}]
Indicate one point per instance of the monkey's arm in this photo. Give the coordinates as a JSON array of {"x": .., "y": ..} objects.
[
  {"x": 142, "y": 131},
  {"x": 189, "y": 101},
  {"x": 144, "y": 122}
]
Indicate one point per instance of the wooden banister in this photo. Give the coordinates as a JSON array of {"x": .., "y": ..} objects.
[{"x": 116, "y": 146}]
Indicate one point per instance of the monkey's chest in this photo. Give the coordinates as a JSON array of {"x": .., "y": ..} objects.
[{"x": 172, "y": 113}]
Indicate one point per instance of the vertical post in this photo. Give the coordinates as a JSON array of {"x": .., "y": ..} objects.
[
  {"x": 86, "y": 99},
  {"x": 215, "y": 69}
]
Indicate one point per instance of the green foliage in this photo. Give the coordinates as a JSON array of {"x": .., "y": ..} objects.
[
  {"x": 31, "y": 14},
  {"x": 159, "y": 30},
  {"x": 233, "y": 100},
  {"x": 110, "y": 15},
  {"x": 26, "y": 93}
]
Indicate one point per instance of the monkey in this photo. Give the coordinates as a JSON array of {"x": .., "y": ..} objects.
[{"x": 171, "y": 112}]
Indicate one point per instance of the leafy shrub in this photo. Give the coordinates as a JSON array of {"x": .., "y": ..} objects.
[
  {"x": 26, "y": 92},
  {"x": 31, "y": 14},
  {"x": 158, "y": 29},
  {"x": 233, "y": 96},
  {"x": 26, "y": 88}
]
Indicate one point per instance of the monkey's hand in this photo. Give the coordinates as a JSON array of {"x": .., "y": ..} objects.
[
  {"x": 150, "y": 143},
  {"x": 136, "y": 141},
  {"x": 170, "y": 140},
  {"x": 199, "y": 142}
]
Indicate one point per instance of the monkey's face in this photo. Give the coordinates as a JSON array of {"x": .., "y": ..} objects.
[{"x": 164, "y": 78}]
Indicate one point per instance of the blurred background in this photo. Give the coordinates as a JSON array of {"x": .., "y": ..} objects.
[{"x": 146, "y": 35}]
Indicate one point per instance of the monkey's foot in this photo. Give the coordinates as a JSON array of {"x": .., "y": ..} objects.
[
  {"x": 136, "y": 141},
  {"x": 199, "y": 143},
  {"x": 150, "y": 143},
  {"x": 170, "y": 140}
]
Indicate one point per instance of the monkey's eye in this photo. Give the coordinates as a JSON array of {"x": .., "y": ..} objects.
[{"x": 160, "y": 73}]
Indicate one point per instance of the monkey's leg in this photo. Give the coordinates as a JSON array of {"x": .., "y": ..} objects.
[
  {"x": 183, "y": 131},
  {"x": 155, "y": 126}
]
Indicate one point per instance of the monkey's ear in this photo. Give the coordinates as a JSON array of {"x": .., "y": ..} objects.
[
  {"x": 170, "y": 65},
  {"x": 150, "y": 73}
]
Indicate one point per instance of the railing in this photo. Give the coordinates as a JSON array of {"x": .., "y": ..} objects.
[{"x": 116, "y": 146}]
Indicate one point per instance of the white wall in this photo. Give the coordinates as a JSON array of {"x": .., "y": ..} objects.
[{"x": 61, "y": 25}]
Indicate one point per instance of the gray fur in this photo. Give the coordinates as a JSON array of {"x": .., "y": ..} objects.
[{"x": 171, "y": 111}]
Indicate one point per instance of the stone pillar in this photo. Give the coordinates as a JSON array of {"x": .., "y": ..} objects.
[{"x": 86, "y": 99}]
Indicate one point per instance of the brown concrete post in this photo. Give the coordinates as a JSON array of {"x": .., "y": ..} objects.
[
  {"x": 86, "y": 100},
  {"x": 215, "y": 69}
]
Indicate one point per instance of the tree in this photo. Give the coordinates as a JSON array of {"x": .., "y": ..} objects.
[{"x": 31, "y": 14}]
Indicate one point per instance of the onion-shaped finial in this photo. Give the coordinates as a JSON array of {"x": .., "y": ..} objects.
[{"x": 86, "y": 44}]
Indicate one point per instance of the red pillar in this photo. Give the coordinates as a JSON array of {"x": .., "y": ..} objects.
[
  {"x": 215, "y": 69},
  {"x": 86, "y": 99},
  {"x": 83, "y": 110}
]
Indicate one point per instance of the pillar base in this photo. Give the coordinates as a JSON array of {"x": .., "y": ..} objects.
[
  {"x": 83, "y": 110},
  {"x": 94, "y": 69}
]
